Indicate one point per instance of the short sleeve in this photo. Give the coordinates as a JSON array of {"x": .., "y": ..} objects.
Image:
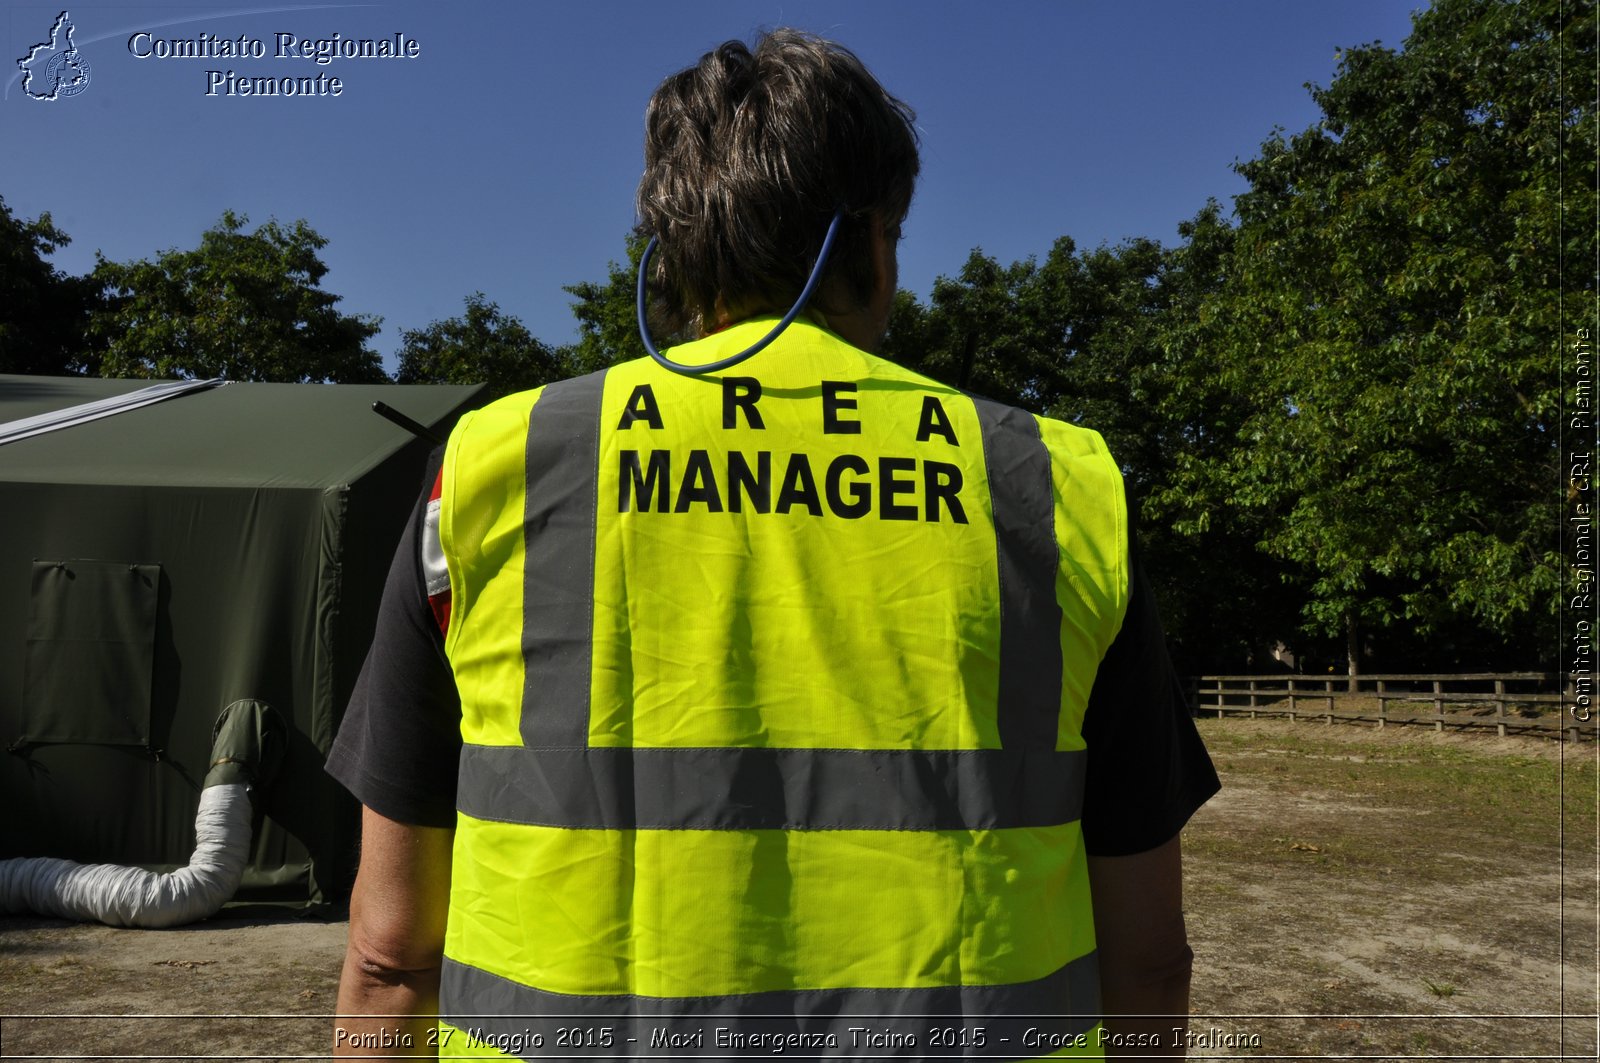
[
  {"x": 399, "y": 745},
  {"x": 1148, "y": 771}
]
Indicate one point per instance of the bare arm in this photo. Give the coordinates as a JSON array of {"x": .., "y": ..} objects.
[
  {"x": 1144, "y": 950},
  {"x": 392, "y": 963}
]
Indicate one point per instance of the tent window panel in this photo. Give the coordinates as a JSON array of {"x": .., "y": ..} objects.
[{"x": 90, "y": 652}]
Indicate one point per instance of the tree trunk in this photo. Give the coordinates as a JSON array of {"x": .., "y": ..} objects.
[{"x": 1352, "y": 649}]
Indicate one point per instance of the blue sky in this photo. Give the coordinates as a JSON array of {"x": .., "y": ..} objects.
[{"x": 503, "y": 157}]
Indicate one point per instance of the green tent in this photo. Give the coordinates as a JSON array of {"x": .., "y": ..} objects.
[{"x": 159, "y": 562}]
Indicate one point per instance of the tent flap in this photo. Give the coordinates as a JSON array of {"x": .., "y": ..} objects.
[{"x": 90, "y": 653}]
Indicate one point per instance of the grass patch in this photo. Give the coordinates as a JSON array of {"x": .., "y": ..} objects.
[{"x": 1371, "y": 803}]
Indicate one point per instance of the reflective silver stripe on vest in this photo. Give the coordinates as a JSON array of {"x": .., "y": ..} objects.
[
  {"x": 1054, "y": 1008},
  {"x": 558, "y": 573},
  {"x": 771, "y": 789},
  {"x": 1018, "y": 466},
  {"x": 557, "y": 780}
]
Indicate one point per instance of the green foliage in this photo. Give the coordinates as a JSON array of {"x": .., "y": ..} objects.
[
  {"x": 1225, "y": 602},
  {"x": 983, "y": 331},
  {"x": 482, "y": 346},
  {"x": 242, "y": 306},
  {"x": 607, "y": 316},
  {"x": 1387, "y": 325},
  {"x": 44, "y": 314},
  {"x": 1102, "y": 338}
]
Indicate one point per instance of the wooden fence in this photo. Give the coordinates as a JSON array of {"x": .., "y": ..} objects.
[{"x": 1519, "y": 702}]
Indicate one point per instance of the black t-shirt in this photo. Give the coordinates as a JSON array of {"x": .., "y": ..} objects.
[{"x": 399, "y": 745}]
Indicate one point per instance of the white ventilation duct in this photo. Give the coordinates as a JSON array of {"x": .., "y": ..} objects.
[{"x": 246, "y": 747}]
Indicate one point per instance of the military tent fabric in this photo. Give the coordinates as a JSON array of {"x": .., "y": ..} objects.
[{"x": 161, "y": 563}]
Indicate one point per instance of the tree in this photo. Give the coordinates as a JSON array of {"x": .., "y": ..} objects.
[
  {"x": 1089, "y": 337},
  {"x": 983, "y": 331},
  {"x": 1390, "y": 321},
  {"x": 242, "y": 306},
  {"x": 44, "y": 314},
  {"x": 1075, "y": 338},
  {"x": 482, "y": 346},
  {"x": 607, "y": 314}
]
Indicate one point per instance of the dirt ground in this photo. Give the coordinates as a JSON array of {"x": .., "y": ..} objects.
[
  {"x": 275, "y": 975},
  {"x": 1416, "y": 892},
  {"x": 1352, "y": 893}
]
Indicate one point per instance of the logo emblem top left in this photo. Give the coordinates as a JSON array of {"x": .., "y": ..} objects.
[{"x": 55, "y": 69}]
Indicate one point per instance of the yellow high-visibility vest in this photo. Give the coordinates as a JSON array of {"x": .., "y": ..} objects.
[{"x": 772, "y": 683}]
